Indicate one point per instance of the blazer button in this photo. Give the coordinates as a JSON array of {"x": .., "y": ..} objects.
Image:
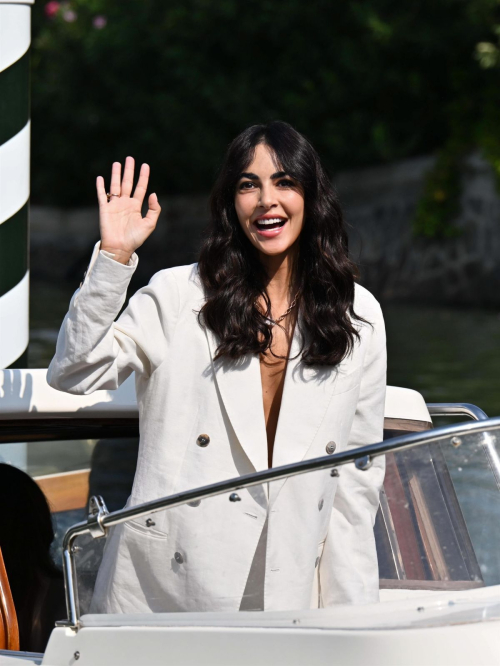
[
  {"x": 178, "y": 558},
  {"x": 203, "y": 440},
  {"x": 330, "y": 448},
  {"x": 321, "y": 504}
]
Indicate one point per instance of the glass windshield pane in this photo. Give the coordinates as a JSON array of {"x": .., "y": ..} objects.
[
  {"x": 435, "y": 518},
  {"x": 418, "y": 521}
]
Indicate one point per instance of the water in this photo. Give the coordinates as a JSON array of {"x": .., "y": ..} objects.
[{"x": 447, "y": 354}]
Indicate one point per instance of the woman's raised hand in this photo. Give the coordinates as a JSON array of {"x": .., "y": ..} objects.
[{"x": 123, "y": 229}]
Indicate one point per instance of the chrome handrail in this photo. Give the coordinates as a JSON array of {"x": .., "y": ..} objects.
[
  {"x": 364, "y": 455},
  {"x": 456, "y": 409}
]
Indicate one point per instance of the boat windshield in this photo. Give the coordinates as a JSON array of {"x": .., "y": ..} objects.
[{"x": 414, "y": 517}]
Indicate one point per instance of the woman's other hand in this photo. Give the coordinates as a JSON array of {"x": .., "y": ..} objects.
[{"x": 123, "y": 229}]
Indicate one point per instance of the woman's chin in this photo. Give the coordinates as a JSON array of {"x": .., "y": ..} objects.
[
  {"x": 274, "y": 249},
  {"x": 274, "y": 246}
]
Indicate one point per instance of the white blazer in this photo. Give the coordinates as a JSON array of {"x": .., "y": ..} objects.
[{"x": 320, "y": 541}]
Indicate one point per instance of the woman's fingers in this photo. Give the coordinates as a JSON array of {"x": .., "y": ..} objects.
[
  {"x": 116, "y": 170},
  {"x": 142, "y": 184},
  {"x": 128, "y": 177},
  {"x": 154, "y": 209},
  {"x": 101, "y": 191}
]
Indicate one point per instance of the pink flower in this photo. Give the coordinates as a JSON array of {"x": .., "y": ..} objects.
[
  {"x": 69, "y": 16},
  {"x": 99, "y": 21},
  {"x": 51, "y": 8}
]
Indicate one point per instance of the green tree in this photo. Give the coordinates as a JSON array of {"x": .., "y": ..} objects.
[{"x": 368, "y": 81}]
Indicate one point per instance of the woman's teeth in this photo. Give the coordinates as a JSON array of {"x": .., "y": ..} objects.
[{"x": 270, "y": 223}]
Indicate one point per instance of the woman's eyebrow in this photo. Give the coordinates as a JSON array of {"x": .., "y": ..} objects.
[
  {"x": 253, "y": 176},
  {"x": 248, "y": 174}
]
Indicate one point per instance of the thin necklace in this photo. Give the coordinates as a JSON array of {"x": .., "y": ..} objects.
[{"x": 273, "y": 322}]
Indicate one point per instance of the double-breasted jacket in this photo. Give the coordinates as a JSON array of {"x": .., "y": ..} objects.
[{"x": 319, "y": 547}]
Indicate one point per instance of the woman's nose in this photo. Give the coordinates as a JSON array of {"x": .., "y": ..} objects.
[{"x": 267, "y": 198}]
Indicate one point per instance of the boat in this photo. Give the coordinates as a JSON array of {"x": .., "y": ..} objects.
[{"x": 437, "y": 535}]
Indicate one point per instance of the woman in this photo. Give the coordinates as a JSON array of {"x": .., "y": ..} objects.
[{"x": 264, "y": 353}]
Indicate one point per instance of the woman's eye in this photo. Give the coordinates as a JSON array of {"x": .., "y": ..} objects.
[
  {"x": 246, "y": 185},
  {"x": 286, "y": 182}
]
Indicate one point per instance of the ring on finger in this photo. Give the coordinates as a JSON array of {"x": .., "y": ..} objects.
[{"x": 108, "y": 196}]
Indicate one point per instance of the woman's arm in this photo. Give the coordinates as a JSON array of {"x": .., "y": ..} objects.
[
  {"x": 95, "y": 352},
  {"x": 92, "y": 350},
  {"x": 349, "y": 567}
]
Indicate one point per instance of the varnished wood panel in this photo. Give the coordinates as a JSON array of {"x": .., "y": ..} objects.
[
  {"x": 408, "y": 425},
  {"x": 9, "y": 630},
  {"x": 65, "y": 491},
  {"x": 437, "y": 585}
]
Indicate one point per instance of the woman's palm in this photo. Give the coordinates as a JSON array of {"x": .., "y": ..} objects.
[{"x": 123, "y": 229}]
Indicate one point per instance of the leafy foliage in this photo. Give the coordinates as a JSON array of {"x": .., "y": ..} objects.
[
  {"x": 368, "y": 81},
  {"x": 439, "y": 205}
]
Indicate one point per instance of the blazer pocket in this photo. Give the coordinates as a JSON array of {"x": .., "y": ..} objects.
[
  {"x": 344, "y": 383},
  {"x": 140, "y": 526}
]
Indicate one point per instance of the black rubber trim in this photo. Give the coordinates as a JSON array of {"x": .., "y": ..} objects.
[{"x": 53, "y": 429}]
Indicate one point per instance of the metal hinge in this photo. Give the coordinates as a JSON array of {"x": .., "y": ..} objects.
[{"x": 97, "y": 511}]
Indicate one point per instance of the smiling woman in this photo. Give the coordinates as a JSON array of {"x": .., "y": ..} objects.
[
  {"x": 264, "y": 353},
  {"x": 272, "y": 187},
  {"x": 278, "y": 194}
]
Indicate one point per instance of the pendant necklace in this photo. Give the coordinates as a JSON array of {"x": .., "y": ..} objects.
[{"x": 273, "y": 322}]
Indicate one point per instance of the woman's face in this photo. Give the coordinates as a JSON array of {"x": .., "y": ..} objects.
[{"x": 269, "y": 205}]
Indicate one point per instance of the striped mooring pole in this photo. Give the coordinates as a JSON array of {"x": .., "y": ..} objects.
[{"x": 15, "y": 39}]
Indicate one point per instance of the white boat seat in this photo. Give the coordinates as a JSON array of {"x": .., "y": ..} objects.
[{"x": 405, "y": 411}]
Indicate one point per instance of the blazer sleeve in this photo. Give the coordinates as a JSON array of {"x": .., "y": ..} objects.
[
  {"x": 348, "y": 567},
  {"x": 95, "y": 352}
]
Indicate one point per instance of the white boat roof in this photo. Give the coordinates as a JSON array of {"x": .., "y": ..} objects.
[{"x": 24, "y": 393}]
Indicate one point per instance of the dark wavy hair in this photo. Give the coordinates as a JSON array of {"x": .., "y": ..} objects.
[{"x": 233, "y": 277}]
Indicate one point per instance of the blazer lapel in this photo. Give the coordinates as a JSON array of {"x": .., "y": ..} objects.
[
  {"x": 240, "y": 388},
  {"x": 306, "y": 395}
]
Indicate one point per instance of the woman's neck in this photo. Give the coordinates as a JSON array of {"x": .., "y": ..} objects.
[{"x": 281, "y": 272}]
